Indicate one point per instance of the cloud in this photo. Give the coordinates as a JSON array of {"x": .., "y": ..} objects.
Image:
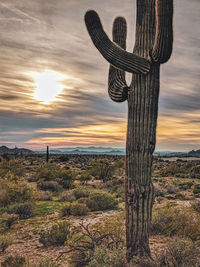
[{"x": 38, "y": 35}]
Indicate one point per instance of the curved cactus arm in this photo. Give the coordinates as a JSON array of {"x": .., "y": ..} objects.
[
  {"x": 113, "y": 53},
  {"x": 162, "y": 47},
  {"x": 117, "y": 87}
]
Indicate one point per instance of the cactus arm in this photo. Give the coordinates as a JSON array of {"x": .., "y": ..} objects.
[
  {"x": 162, "y": 47},
  {"x": 113, "y": 53},
  {"x": 117, "y": 87}
]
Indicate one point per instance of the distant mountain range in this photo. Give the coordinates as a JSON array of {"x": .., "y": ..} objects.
[
  {"x": 86, "y": 150},
  {"x": 16, "y": 150},
  {"x": 95, "y": 150},
  {"x": 115, "y": 151}
]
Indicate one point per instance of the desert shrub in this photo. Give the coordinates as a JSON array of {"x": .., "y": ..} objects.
[
  {"x": 15, "y": 192},
  {"x": 181, "y": 253},
  {"x": 145, "y": 262},
  {"x": 13, "y": 167},
  {"x": 159, "y": 191},
  {"x": 47, "y": 263},
  {"x": 159, "y": 199},
  {"x": 185, "y": 185},
  {"x": 103, "y": 171},
  {"x": 5, "y": 241},
  {"x": 65, "y": 178},
  {"x": 114, "y": 226},
  {"x": 171, "y": 221},
  {"x": 47, "y": 172},
  {"x": 52, "y": 172},
  {"x": 180, "y": 196},
  {"x": 24, "y": 210},
  {"x": 80, "y": 192},
  {"x": 196, "y": 189},
  {"x": 101, "y": 201},
  {"x": 64, "y": 158},
  {"x": 8, "y": 220},
  {"x": 66, "y": 210},
  {"x": 82, "y": 200},
  {"x": 196, "y": 205},
  {"x": 85, "y": 176},
  {"x": 44, "y": 195},
  {"x": 78, "y": 209},
  {"x": 67, "y": 196},
  {"x": 88, "y": 241},
  {"x": 106, "y": 257},
  {"x": 52, "y": 186},
  {"x": 171, "y": 189},
  {"x": 170, "y": 197},
  {"x": 74, "y": 208},
  {"x": 15, "y": 261},
  {"x": 57, "y": 235}
]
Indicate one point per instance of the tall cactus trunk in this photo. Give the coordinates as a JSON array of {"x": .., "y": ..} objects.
[
  {"x": 153, "y": 46},
  {"x": 141, "y": 136}
]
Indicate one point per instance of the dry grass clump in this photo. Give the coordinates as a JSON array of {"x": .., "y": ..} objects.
[
  {"x": 57, "y": 235},
  {"x": 172, "y": 221},
  {"x": 5, "y": 241}
]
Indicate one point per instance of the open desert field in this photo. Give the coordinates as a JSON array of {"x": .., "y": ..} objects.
[{"x": 71, "y": 212}]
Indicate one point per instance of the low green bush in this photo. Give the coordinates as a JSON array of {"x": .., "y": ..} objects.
[
  {"x": 15, "y": 261},
  {"x": 75, "y": 209},
  {"x": 65, "y": 178},
  {"x": 14, "y": 192},
  {"x": 85, "y": 177},
  {"x": 24, "y": 210},
  {"x": 80, "y": 192},
  {"x": 44, "y": 195},
  {"x": 47, "y": 172},
  {"x": 196, "y": 189},
  {"x": 52, "y": 186},
  {"x": 78, "y": 209},
  {"x": 13, "y": 167},
  {"x": 159, "y": 191},
  {"x": 8, "y": 220},
  {"x": 180, "y": 196},
  {"x": 196, "y": 205},
  {"x": 107, "y": 257},
  {"x": 101, "y": 201},
  {"x": 181, "y": 253},
  {"x": 172, "y": 221},
  {"x": 57, "y": 235},
  {"x": 98, "y": 244},
  {"x": 54, "y": 173},
  {"x": 47, "y": 263},
  {"x": 66, "y": 210},
  {"x": 67, "y": 196}
]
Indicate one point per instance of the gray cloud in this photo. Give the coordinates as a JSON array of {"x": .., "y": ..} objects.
[{"x": 36, "y": 35}]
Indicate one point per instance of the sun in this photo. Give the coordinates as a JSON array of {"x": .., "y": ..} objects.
[{"x": 48, "y": 85}]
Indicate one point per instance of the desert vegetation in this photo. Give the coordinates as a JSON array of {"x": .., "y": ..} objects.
[{"x": 49, "y": 217}]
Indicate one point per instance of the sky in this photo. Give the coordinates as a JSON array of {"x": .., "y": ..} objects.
[{"x": 46, "y": 40}]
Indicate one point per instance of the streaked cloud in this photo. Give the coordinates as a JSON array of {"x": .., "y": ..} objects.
[{"x": 38, "y": 35}]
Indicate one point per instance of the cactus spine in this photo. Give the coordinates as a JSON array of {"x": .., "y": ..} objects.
[{"x": 153, "y": 46}]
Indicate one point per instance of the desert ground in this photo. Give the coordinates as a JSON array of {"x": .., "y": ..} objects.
[{"x": 71, "y": 212}]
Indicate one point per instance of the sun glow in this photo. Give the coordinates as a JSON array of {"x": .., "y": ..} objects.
[{"x": 48, "y": 85}]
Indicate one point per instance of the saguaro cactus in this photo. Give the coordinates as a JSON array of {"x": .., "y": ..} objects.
[
  {"x": 153, "y": 46},
  {"x": 47, "y": 154}
]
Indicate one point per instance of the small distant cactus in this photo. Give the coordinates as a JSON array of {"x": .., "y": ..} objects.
[
  {"x": 47, "y": 154},
  {"x": 153, "y": 46}
]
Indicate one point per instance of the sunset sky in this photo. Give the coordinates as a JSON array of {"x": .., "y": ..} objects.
[{"x": 44, "y": 43}]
